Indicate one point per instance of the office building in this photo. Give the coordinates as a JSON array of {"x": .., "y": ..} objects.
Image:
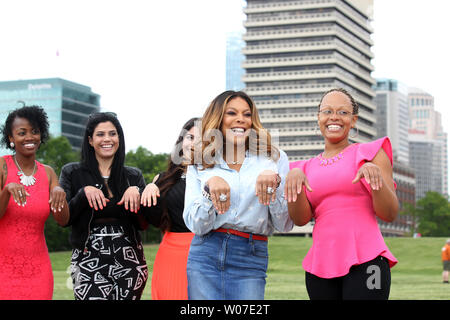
[
  {"x": 393, "y": 116},
  {"x": 427, "y": 135},
  {"x": 66, "y": 103},
  {"x": 426, "y": 157},
  {"x": 297, "y": 50}
]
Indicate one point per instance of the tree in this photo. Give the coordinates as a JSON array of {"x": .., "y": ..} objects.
[
  {"x": 56, "y": 152},
  {"x": 149, "y": 163},
  {"x": 433, "y": 212},
  {"x": 410, "y": 211}
]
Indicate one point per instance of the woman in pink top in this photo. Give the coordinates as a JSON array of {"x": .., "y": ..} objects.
[{"x": 346, "y": 187}]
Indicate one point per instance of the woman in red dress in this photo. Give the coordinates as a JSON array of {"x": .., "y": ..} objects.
[{"x": 30, "y": 191}]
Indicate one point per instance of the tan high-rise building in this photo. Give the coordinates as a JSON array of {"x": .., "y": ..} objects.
[
  {"x": 428, "y": 142},
  {"x": 297, "y": 50}
]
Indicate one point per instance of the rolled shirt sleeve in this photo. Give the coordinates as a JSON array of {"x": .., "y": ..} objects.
[
  {"x": 199, "y": 213},
  {"x": 278, "y": 209}
]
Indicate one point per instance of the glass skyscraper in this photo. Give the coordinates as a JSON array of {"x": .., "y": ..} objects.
[
  {"x": 235, "y": 58},
  {"x": 66, "y": 103}
]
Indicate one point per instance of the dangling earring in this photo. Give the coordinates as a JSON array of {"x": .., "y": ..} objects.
[
  {"x": 12, "y": 145},
  {"x": 357, "y": 132}
]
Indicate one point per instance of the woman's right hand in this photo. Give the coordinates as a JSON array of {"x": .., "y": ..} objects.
[
  {"x": 18, "y": 193},
  {"x": 95, "y": 197},
  {"x": 218, "y": 186},
  {"x": 295, "y": 180},
  {"x": 151, "y": 192}
]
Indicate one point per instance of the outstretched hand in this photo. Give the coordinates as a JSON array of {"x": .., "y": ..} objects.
[
  {"x": 131, "y": 199},
  {"x": 372, "y": 174},
  {"x": 95, "y": 197},
  {"x": 149, "y": 195},
  {"x": 293, "y": 186},
  {"x": 18, "y": 193}
]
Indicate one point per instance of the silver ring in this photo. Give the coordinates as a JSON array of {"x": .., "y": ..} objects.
[
  {"x": 270, "y": 190},
  {"x": 223, "y": 197},
  {"x": 20, "y": 193}
]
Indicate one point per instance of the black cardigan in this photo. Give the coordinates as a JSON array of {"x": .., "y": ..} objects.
[{"x": 74, "y": 177}]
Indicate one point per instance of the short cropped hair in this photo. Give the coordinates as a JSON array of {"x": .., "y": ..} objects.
[{"x": 34, "y": 114}]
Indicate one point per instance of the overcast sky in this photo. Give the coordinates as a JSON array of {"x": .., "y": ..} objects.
[{"x": 158, "y": 63}]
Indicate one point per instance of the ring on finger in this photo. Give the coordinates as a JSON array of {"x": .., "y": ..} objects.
[
  {"x": 20, "y": 193},
  {"x": 270, "y": 190},
  {"x": 223, "y": 197}
]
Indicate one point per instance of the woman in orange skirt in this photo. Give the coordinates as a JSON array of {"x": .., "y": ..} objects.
[{"x": 163, "y": 205}]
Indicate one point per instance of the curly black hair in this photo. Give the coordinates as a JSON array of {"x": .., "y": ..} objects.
[{"x": 34, "y": 114}]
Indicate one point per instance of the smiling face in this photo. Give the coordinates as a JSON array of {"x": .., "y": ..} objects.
[
  {"x": 336, "y": 117},
  {"x": 188, "y": 142},
  {"x": 25, "y": 138},
  {"x": 237, "y": 121},
  {"x": 105, "y": 140}
]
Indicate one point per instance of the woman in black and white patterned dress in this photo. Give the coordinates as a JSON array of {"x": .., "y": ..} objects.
[{"x": 104, "y": 197}]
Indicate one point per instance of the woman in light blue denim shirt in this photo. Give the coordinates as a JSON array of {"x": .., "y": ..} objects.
[{"x": 234, "y": 199}]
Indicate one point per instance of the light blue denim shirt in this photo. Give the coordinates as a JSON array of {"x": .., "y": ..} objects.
[{"x": 245, "y": 213}]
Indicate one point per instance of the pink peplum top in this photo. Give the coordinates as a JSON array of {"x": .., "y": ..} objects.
[{"x": 346, "y": 231}]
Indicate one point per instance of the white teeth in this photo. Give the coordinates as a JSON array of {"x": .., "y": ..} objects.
[
  {"x": 107, "y": 146},
  {"x": 29, "y": 145},
  {"x": 333, "y": 127},
  {"x": 238, "y": 130}
]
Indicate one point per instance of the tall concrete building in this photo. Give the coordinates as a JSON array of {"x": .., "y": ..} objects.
[
  {"x": 392, "y": 115},
  {"x": 427, "y": 135},
  {"x": 426, "y": 159},
  {"x": 297, "y": 50},
  {"x": 67, "y": 104}
]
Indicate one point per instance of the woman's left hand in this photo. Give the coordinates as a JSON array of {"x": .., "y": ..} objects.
[
  {"x": 266, "y": 179},
  {"x": 131, "y": 198},
  {"x": 372, "y": 173},
  {"x": 57, "y": 199}
]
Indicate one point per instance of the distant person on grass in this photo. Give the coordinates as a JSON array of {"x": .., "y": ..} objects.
[
  {"x": 30, "y": 191},
  {"x": 346, "y": 187},
  {"x": 446, "y": 261}
]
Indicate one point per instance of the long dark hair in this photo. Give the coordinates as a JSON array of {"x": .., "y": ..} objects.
[
  {"x": 173, "y": 173},
  {"x": 117, "y": 178}
]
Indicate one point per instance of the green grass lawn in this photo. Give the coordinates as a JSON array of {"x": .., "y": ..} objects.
[{"x": 417, "y": 276}]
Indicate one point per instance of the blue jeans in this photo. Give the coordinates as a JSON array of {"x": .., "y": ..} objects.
[{"x": 223, "y": 266}]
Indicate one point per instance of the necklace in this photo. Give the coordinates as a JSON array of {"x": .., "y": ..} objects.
[
  {"x": 326, "y": 162},
  {"x": 24, "y": 179}
]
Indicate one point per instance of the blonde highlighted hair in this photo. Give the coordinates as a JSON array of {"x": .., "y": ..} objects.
[{"x": 259, "y": 141}]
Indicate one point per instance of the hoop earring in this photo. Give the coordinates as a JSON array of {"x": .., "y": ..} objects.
[
  {"x": 12, "y": 145},
  {"x": 357, "y": 132}
]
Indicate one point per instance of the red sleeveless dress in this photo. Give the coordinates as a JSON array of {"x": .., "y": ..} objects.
[{"x": 25, "y": 268}]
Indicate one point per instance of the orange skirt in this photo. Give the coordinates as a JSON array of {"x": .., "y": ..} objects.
[{"x": 169, "y": 279}]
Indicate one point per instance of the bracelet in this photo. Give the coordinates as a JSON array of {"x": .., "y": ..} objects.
[
  {"x": 205, "y": 193},
  {"x": 278, "y": 180},
  {"x": 138, "y": 189}
]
